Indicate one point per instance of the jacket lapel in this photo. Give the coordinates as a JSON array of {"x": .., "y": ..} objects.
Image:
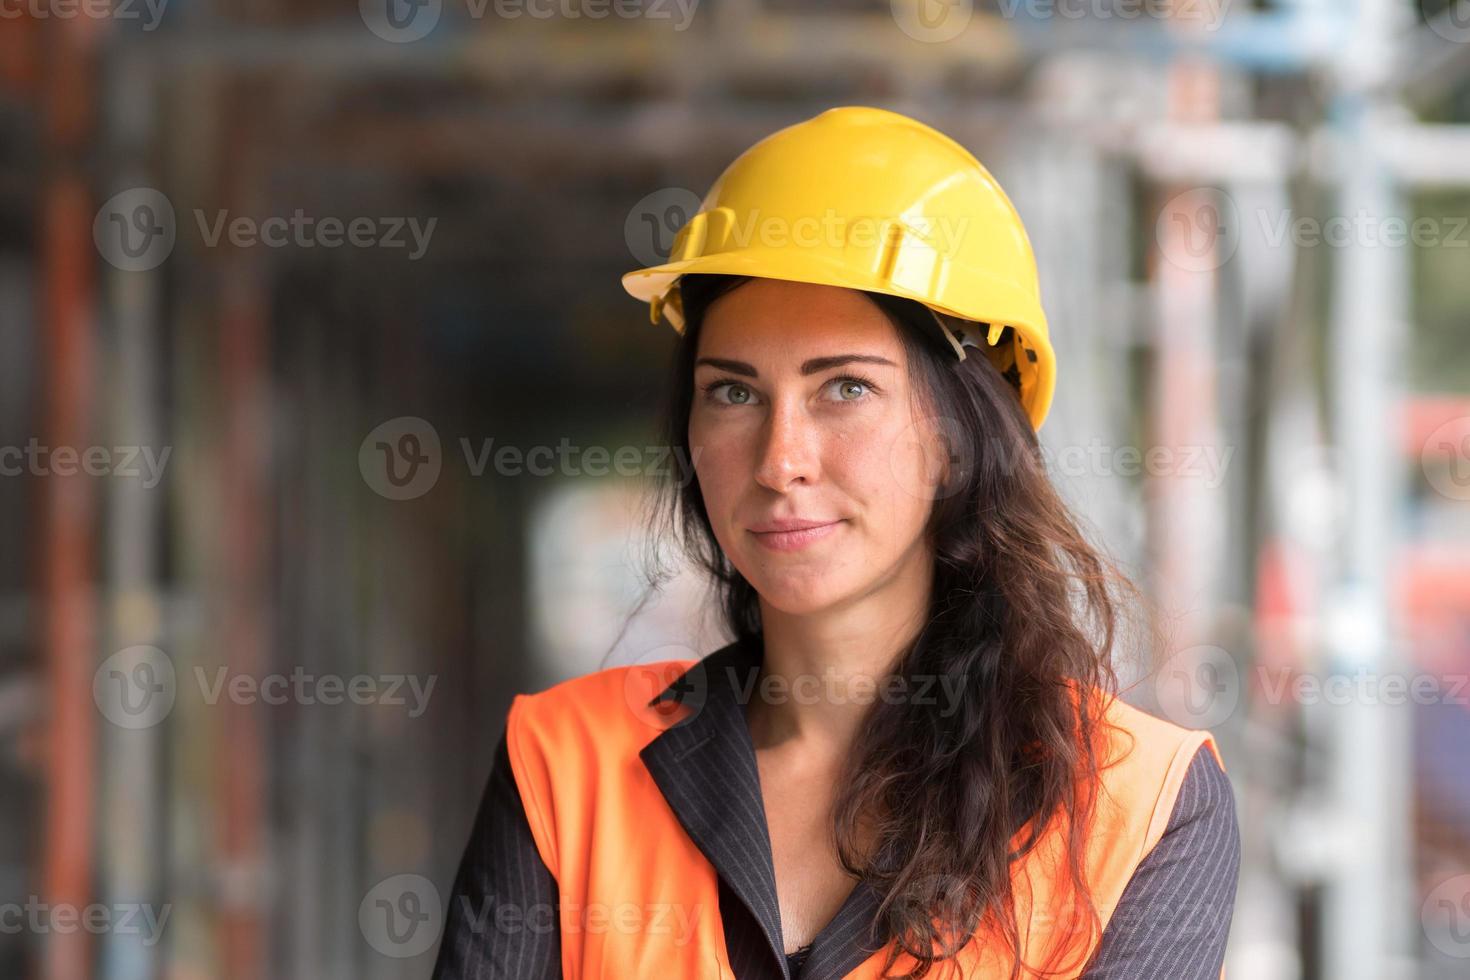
[
  {"x": 705, "y": 767},
  {"x": 846, "y": 942}
]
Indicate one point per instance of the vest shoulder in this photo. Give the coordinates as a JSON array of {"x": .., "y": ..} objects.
[
  {"x": 1143, "y": 765},
  {"x": 599, "y": 704},
  {"x": 1136, "y": 734}
]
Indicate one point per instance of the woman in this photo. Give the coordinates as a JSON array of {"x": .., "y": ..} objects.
[{"x": 909, "y": 760}]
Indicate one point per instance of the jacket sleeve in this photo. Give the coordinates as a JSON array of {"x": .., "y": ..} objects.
[
  {"x": 501, "y": 920},
  {"x": 1174, "y": 915}
]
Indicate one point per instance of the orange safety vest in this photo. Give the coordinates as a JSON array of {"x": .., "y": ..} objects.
[{"x": 637, "y": 897}]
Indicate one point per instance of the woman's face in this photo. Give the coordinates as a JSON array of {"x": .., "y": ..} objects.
[{"x": 804, "y": 413}]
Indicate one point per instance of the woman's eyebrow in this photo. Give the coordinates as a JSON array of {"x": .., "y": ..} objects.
[{"x": 809, "y": 366}]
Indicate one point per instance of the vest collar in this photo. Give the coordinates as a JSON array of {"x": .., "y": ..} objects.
[{"x": 705, "y": 767}]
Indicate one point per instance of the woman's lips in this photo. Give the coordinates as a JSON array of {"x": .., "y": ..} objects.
[{"x": 794, "y": 539}]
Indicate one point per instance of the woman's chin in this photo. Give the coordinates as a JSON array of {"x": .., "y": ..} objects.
[{"x": 800, "y": 596}]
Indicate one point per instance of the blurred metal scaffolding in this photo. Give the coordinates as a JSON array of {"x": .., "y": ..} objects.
[{"x": 263, "y": 829}]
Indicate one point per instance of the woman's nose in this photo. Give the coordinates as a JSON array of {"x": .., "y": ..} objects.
[{"x": 788, "y": 450}]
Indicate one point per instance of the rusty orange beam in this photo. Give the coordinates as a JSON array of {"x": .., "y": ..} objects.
[
  {"x": 242, "y": 372},
  {"x": 69, "y": 503},
  {"x": 20, "y": 54}
]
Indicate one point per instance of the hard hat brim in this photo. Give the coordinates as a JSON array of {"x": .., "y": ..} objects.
[{"x": 994, "y": 301}]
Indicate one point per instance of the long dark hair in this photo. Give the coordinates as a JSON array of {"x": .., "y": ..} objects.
[{"x": 1023, "y": 618}]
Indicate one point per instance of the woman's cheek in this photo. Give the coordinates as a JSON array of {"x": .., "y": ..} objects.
[{"x": 717, "y": 466}]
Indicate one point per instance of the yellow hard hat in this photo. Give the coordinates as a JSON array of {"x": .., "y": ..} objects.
[{"x": 869, "y": 199}]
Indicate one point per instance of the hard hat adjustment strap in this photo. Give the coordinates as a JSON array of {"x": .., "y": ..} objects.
[{"x": 960, "y": 334}]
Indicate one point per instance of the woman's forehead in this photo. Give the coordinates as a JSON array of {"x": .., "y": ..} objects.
[{"x": 795, "y": 321}]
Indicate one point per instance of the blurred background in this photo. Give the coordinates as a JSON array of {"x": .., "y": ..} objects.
[{"x": 325, "y": 425}]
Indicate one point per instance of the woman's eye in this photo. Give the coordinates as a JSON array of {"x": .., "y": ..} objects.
[
  {"x": 850, "y": 389},
  {"x": 732, "y": 392}
]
